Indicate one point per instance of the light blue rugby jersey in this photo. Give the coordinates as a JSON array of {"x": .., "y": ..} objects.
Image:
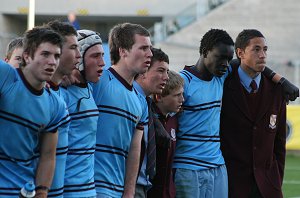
[
  {"x": 198, "y": 139},
  {"x": 79, "y": 175},
  {"x": 143, "y": 178},
  {"x": 24, "y": 114},
  {"x": 121, "y": 112},
  {"x": 57, "y": 187}
]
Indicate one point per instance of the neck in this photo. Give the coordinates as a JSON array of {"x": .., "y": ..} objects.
[
  {"x": 204, "y": 74},
  {"x": 79, "y": 77},
  {"x": 145, "y": 90},
  {"x": 162, "y": 109},
  {"x": 57, "y": 78},
  {"x": 124, "y": 73},
  {"x": 251, "y": 73},
  {"x": 35, "y": 83}
]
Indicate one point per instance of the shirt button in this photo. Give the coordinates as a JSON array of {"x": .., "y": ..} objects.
[{"x": 254, "y": 128}]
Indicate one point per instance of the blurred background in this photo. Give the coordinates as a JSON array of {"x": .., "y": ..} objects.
[{"x": 177, "y": 27}]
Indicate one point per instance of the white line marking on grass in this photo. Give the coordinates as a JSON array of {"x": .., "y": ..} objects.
[
  {"x": 293, "y": 168},
  {"x": 291, "y": 181}
]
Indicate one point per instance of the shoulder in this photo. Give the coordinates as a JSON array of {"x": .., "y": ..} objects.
[
  {"x": 233, "y": 75},
  {"x": 141, "y": 98},
  {"x": 274, "y": 90},
  {"x": 5, "y": 66},
  {"x": 104, "y": 80},
  {"x": 186, "y": 75},
  {"x": 8, "y": 73}
]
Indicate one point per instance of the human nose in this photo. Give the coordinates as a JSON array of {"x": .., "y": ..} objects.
[
  {"x": 166, "y": 76},
  {"x": 101, "y": 61},
  {"x": 149, "y": 53},
  {"x": 181, "y": 98},
  {"x": 226, "y": 63},
  {"x": 53, "y": 60},
  {"x": 263, "y": 54},
  {"x": 78, "y": 55}
]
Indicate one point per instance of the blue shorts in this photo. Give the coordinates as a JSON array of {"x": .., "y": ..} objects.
[{"x": 210, "y": 183}]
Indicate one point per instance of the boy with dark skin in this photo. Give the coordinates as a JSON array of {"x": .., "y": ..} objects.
[{"x": 198, "y": 151}]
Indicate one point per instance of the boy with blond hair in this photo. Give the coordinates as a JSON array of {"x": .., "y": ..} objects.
[
  {"x": 165, "y": 108},
  {"x": 14, "y": 52}
]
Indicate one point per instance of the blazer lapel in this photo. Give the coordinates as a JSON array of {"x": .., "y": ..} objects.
[
  {"x": 266, "y": 98},
  {"x": 238, "y": 96}
]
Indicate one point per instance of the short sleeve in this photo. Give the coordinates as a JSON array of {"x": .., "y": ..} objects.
[
  {"x": 144, "y": 118},
  {"x": 7, "y": 75},
  {"x": 60, "y": 115}
]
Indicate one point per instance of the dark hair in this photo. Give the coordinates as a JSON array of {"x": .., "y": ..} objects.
[
  {"x": 212, "y": 38},
  {"x": 38, "y": 35},
  {"x": 122, "y": 36},
  {"x": 13, "y": 44},
  {"x": 158, "y": 55},
  {"x": 244, "y": 37},
  {"x": 63, "y": 28}
]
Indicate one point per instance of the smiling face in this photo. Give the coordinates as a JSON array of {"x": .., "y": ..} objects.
[
  {"x": 138, "y": 58},
  {"x": 42, "y": 65},
  {"x": 253, "y": 57},
  {"x": 94, "y": 63},
  {"x": 217, "y": 59},
  {"x": 70, "y": 55}
]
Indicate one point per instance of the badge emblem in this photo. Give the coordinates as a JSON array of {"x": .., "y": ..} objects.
[
  {"x": 173, "y": 134},
  {"x": 272, "y": 124}
]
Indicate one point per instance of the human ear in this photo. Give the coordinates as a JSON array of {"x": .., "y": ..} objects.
[
  {"x": 26, "y": 57},
  {"x": 122, "y": 52},
  {"x": 157, "y": 98},
  {"x": 240, "y": 53}
]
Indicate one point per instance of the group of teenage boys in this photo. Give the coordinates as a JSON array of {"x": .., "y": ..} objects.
[{"x": 138, "y": 129}]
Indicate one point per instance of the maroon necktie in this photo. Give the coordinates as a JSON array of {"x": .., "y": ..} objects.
[
  {"x": 253, "y": 86},
  {"x": 151, "y": 147}
]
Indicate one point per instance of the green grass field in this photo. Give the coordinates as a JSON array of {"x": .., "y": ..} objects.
[{"x": 291, "y": 182}]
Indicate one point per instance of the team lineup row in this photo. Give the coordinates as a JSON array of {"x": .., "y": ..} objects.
[{"x": 138, "y": 129}]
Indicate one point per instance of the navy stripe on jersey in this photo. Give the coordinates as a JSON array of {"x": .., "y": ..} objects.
[
  {"x": 25, "y": 162},
  {"x": 118, "y": 111},
  {"x": 199, "y": 138},
  {"x": 187, "y": 75},
  {"x": 62, "y": 150},
  {"x": 81, "y": 151},
  {"x": 108, "y": 185},
  {"x": 194, "y": 161},
  {"x": 144, "y": 123},
  {"x": 19, "y": 120},
  {"x": 56, "y": 192},
  {"x": 55, "y": 126},
  {"x": 84, "y": 114},
  {"x": 79, "y": 187},
  {"x": 203, "y": 106},
  {"x": 111, "y": 150},
  {"x": 9, "y": 192}
]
